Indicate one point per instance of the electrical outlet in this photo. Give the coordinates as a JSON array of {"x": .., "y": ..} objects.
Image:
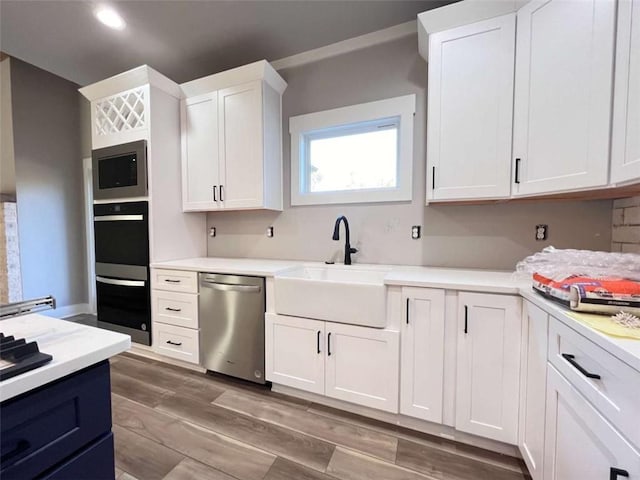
[
  {"x": 269, "y": 232},
  {"x": 542, "y": 232},
  {"x": 415, "y": 232},
  {"x": 212, "y": 232}
]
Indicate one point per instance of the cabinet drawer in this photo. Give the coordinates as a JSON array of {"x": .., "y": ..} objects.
[
  {"x": 179, "y": 309},
  {"x": 177, "y": 342},
  {"x": 95, "y": 462},
  {"x": 174, "y": 280},
  {"x": 42, "y": 428},
  {"x": 615, "y": 394}
]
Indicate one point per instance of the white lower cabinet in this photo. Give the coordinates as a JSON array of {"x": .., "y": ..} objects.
[
  {"x": 351, "y": 363},
  {"x": 580, "y": 444},
  {"x": 488, "y": 370},
  {"x": 533, "y": 386},
  {"x": 362, "y": 366},
  {"x": 422, "y": 353},
  {"x": 295, "y": 352}
]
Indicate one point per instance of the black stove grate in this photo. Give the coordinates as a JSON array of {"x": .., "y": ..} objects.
[{"x": 18, "y": 356}]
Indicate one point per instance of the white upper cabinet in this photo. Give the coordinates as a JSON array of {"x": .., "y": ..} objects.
[
  {"x": 470, "y": 108},
  {"x": 625, "y": 148},
  {"x": 488, "y": 376},
  {"x": 200, "y": 179},
  {"x": 563, "y": 91},
  {"x": 422, "y": 350},
  {"x": 232, "y": 140}
]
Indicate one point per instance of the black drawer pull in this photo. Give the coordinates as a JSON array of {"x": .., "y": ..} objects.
[
  {"x": 21, "y": 447},
  {"x": 617, "y": 472},
  {"x": 177, "y": 344},
  {"x": 329, "y": 344},
  {"x": 572, "y": 360},
  {"x": 318, "y": 342},
  {"x": 407, "y": 311},
  {"x": 517, "y": 175},
  {"x": 221, "y": 194},
  {"x": 169, "y": 280},
  {"x": 466, "y": 319},
  {"x": 173, "y": 309},
  {"x": 214, "y": 194}
]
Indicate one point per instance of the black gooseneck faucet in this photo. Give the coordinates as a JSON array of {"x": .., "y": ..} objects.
[{"x": 347, "y": 246}]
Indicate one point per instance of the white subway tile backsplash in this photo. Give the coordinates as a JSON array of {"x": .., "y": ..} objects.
[
  {"x": 632, "y": 216},
  {"x": 618, "y": 216},
  {"x": 626, "y": 202},
  {"x": 625, "y": 225}
]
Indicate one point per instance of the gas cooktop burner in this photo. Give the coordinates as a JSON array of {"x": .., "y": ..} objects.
[{"x": 18, "y": 356}]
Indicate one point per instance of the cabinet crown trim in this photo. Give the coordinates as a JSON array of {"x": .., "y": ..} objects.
[{"x": 133, "y": 78}]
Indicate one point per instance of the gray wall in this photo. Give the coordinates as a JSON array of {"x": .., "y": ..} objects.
[
  {"x": 485, "y": 236},
  {"x": 7, "y": 163},
  {"x": 46, "y": 125}
]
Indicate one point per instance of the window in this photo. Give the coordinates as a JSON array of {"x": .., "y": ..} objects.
[{"x": 361, "y": 153}]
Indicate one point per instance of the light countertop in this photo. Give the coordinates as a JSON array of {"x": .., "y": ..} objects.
[
  {"x": 73, "y": 347},
  {"x": 626, "y": 349},
  {"x": 452, "y": 278}
]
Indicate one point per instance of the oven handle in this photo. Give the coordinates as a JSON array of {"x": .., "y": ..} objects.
[
  {"x": 230, "y": 287},
  {"x": 117, "y": 218},
  {"x": 121, "y": 283}
]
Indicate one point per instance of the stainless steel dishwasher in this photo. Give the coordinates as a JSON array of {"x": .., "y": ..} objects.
[{"x": 231, "y": 311}]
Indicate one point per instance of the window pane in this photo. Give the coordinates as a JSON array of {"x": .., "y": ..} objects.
[{"x": 356, "y": 161}]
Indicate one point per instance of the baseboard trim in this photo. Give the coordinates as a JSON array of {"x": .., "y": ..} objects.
[
  {"x": 68, "y": 310},
  {"x": 147, "y": 352},
  {"x": 423, "y": 426}
]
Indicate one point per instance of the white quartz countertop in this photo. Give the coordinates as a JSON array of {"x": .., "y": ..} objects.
[
  {"x": 73, "y": 347},
  {"x": 452, "y": 278},
  {"x": 455, "y": 279},
  {"x": 626, "y": 349},
  {"x": 237, "y": 266}
]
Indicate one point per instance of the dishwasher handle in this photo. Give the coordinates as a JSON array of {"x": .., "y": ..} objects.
[{"x": 228, "y": 287}]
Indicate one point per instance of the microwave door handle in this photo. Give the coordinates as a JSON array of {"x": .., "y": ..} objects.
[
  {"x": 120, "y": 283},
  {"x": 117, "y": 218}
]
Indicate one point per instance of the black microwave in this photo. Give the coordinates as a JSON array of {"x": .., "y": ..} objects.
[{"x": 120, "y": 171}]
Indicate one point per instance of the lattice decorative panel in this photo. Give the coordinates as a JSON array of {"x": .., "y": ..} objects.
[{"x": 122, "y": 112}]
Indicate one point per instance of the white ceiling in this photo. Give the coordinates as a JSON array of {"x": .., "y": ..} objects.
[{"x": 186, "y": 39}]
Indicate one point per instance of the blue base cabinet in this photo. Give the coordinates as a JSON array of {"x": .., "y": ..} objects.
[{"x": 61, "y": 430}]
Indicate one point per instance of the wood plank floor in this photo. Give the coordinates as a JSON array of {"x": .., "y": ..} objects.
[{"x": 175, "y": 424}]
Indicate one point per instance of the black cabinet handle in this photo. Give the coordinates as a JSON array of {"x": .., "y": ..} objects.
[
  {"x": 433, "y": 178},
  {"x": 572, "y": 360},
  {"x": 329, "y": 344},
  {"x": 517, "y": 176},
  {"x": 171, "y": 281},
  {"x": 617, "y": 472},
  {"x": 173, "y": 309},
  {"x": 177, "y": 344},
  {"x": 21, "y": 447},
  {"x": 221, "y": 194},
  {"x": 318, "y": 342},
  {"x": 407, "y": 311},
  {"x": 466, "y": 319}
]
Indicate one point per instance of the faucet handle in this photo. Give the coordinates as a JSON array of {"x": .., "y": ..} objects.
[{"x": 353, "y": 250}]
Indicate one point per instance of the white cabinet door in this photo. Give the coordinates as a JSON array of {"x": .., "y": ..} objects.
[
  {"x": 470, "y": 109},
  {"x": 488, "y": 371},
  {"x": 533, "y": 386},
  {"x": 241, "y": 146},
  {"x": 200, "y": 173},
  {"x": 422, "y": 354},
  {"x": 625, "y": 148},
  {"x": 294, "y": 352},
  {"x": 580, "y": 444},
  {"x": 563, "y": 92},
  {"x": 362, "y": 366}
]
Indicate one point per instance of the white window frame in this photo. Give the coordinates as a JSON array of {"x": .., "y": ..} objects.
[{"x": 402, "y": 108}]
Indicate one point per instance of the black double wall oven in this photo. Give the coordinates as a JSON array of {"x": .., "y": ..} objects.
[{"x": 122, "y": 247}]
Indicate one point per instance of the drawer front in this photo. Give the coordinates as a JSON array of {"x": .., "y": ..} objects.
[
  {"x": 177, "y": 342},
  {"x": 42, "y": 428},
  {"x": 174, "y": 280},
  {"x": 179, "y": 309},
  {"x": 95, "y": 462},
  {"x": 615, "y": 394}
]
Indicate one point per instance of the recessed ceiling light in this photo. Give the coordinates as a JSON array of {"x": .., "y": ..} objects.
[{"x": 110, "y": 18}]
